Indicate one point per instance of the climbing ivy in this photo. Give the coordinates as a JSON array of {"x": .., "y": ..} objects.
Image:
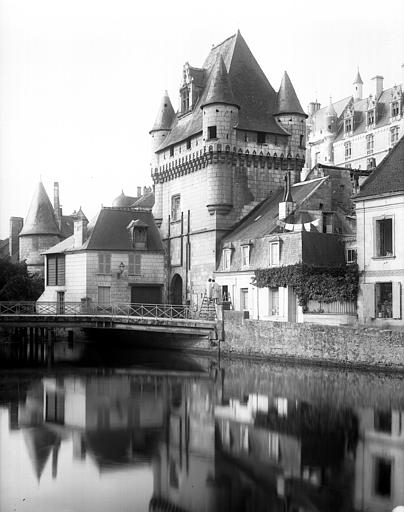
[{"x": 325, "y": 284}]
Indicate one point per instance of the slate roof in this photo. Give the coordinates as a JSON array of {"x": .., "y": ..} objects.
[
  {"x": 251, "y": 90},
  {"x": 388, "y": 177},
  {"x": 40, "y": 219},
  {"x": 165, "y": 114},
  {"x": 358, "y": 79},
  {"x": 109, "y": 232},
  {"x": 263, "y": 219},
  {"x": 145, "y": 201},
  {"x": 319, "y": 118},
  {"x": 287, "y": 100},
  {"x": 218, "y": 89},
  {"x": 123, "y": 200}
]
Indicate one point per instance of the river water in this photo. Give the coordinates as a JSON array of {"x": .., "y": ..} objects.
[{"x": 129, "y": 430}]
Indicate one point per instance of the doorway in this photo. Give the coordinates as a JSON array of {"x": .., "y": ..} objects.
[{"x": 176, "y": 289}]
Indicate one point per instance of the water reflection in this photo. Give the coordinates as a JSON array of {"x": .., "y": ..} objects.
[{"x": 207, "y": 439}]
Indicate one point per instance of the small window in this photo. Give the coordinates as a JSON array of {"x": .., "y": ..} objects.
[
  {"x": 212, "y": 132},
  {"x": 369, "y": 144},
  {"x": 172, "y": 151},
  {"x": 384, "y": 237},
  {"x": 370, "y": 118},
  {"x": 348, "y": 150},
  {"x": 395, "y": 109},
  {"x": 351, "y": 255},
  {"x": 245, "y": 256},
  {"x": 394, "y": 133},
  {"x": 135, "y": 264},
  {"x": 104, "y": 295},
  {"x": 189, "y": 144},
  {"x": 274, "y": 254},
  {"x": 348, "y": 125},
  {"x": 56, "y": 271},
  {"x": 104, "y": 263},
  {"x": 226, "y": 259},
  {"x": 175, "y": 207},
  {"x": 273, "y": 301},
  {"x": 244, "y": 299},
  {"x": 260, "y": 137},
  {"x": 301, "y": 142}
]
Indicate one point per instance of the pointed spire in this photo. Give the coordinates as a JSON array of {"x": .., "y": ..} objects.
[
  {"x": 165, "y": 114},
  {"x": 358, "y": 79},
  {"x": 330, "y": 112},
  {"x": 219, "y": 88},
  {"x": 40, "y": 219},
  {"x": 287, "y": 100}
]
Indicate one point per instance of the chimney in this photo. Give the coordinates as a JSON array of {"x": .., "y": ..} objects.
[
  {"x": 286, "y": 206},
  {"x": 56, "y": 204},
  {"x": 313, "y": 107},
  {"x": 80, "y": 232},
  {"x": 16, "y": 224},
  {"x": 377, "y": 86},
  {"x": 139, "y": 191}
]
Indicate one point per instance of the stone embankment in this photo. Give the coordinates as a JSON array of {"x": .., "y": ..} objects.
[{"x": 335, "y": 345}]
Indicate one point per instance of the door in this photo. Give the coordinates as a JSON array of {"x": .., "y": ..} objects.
[
  {"x": 145, "y": 295},
  {"x": 60, "y": 309},
  {"x": 176, "y": 289}
]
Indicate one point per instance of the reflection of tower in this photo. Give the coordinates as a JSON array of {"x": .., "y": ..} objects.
[{"x": 379, "y": 467}]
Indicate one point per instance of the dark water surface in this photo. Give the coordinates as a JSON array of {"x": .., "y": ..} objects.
[{"x": 124, "y": 430}]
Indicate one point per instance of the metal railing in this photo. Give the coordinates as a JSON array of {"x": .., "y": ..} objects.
[
  {"x": 331, "y": 308},
  {"x": 172, "y": 311}
]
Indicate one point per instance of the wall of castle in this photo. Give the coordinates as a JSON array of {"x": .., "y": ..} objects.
[{"x": 31, "y": 249}]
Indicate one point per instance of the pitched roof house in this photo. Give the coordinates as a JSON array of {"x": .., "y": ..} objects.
[
  {"x": 117, "y": 258},
  {"x": 380, "y": 221}
]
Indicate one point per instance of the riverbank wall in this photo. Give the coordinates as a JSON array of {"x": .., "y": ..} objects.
[{"x": 337, "y": 345}]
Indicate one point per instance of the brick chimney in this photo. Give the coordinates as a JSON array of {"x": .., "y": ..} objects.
[
  {"x": 80, "y": 232},
  {"x": 139, "y": 191}
]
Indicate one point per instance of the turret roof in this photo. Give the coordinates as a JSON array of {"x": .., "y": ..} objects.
[
  {"x": 123, "y": 200},
  {"x": 330, "y": 110},
  {"x": 40, "y": 219},
  {"x": 358, "y": 79},
  {"x": 219, "y": 89},
  {"x": 251, "y": 91},
  {"x": 287, "y": 100},
  {"x": 165, "y": 114}
]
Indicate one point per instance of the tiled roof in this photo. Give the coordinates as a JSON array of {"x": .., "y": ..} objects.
[
  {"x": 287, "y": 100},
  {"x": 109, "y": 232},
  {"x": 40, "y": 219},
  {"x": 165, "y": 114},
  {"x": 145, "y": 201},
  {"x": 263, "y": 219},
  {"x": 251, "y": 90},
  {"x": 388, "y": 177},
  {"x": 218, "y": 89}
]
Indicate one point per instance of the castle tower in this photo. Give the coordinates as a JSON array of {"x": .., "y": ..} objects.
[
  {"x": 358, "y": 87},
  {"x": 292, "y": 118},
  {"x": 220, "y": 115},
  {"x": 331, "y": 120},
  {"x": 40, "y": 231},
  {"x": 161, "y": 128}
]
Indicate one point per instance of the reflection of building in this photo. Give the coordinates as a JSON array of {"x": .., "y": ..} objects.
[
  {"x": 119, "y": 258},
  {"x": 379, "y": 466},
  {"x": 380, "y": 221}
]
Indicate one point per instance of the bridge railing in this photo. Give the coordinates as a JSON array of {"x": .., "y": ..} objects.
[{"x": 173, "y": 311}]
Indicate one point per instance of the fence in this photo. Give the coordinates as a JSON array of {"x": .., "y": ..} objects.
[{"x": 331, "y": 308}]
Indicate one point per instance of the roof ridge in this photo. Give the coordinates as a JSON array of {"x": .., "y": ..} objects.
[{"x": 224, "y": 41}]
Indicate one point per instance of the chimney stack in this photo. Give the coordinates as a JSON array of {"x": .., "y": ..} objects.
[
  {"x": 139, "y": 191},
  {"x": 377, "y": 86},
  {"x": 313, "y": 107},
  {"x": 56, "y": 204},
  {"x": 80, "y": 231},
  {"x": 286, "y": 206},
  {"x": 16, "y": 224}
]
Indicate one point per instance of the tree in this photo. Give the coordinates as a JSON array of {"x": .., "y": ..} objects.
[{"x": 16, "y": 283}]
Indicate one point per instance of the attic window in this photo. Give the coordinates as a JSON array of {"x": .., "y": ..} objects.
[
  {"x": 395, "y": 108},
  {"x": 370, "y": 118},
  {"x": 348, "y": 125},
  {"x": 184, "y": 100},
  {"x": 138, "y": 234}
]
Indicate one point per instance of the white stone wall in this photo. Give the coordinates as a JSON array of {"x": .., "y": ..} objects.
[{"x": 380, "y": 269}]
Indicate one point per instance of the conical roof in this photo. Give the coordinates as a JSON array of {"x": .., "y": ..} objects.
[
  {"x": 358, "y": 79},
  {"x": 165, "y": 114},
  {"x": 219, "y": 88},
  {"x": 122, "y": 200},
  {"x": 330, "y": 111},
  {"x": 287, "y": 100},
  {"x": 41, "y": 218},
  {"x": 39, "y": 442}
]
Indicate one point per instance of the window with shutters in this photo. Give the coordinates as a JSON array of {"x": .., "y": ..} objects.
[
  {"x": 104, "y": 295},
  {"x": 384, "y": 300},
  {"x": 384, "y": 237},
  {"x": 226, "y": 259},
  {"x": 104, "y": 263},
  {"x": 55, "y": 270},
  {"x": 245, "y": 256},
  {"x": 135, "y": 264}
]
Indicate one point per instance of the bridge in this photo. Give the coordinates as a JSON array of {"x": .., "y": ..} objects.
[{"x": 167, "y": 318}]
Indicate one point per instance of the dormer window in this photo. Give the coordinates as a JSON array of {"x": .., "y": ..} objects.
[
  {"x": 138, "y": 234},
  {"x": 370, "y": 117},
  {"x": 184, "y": 100},
  {"x": 226, "y": 258},
  {"x": 348, "y": 125},
  {"x": 395, "y": 108},
  {"x": 274, "y": 253},
  {"x": 245, "y": 255}
]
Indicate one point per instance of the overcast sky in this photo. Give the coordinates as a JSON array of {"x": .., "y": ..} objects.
[{"x": 81, "y": 80}]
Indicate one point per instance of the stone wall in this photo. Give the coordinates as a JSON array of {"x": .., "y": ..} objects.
[{"x": 350, "y": 346}]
